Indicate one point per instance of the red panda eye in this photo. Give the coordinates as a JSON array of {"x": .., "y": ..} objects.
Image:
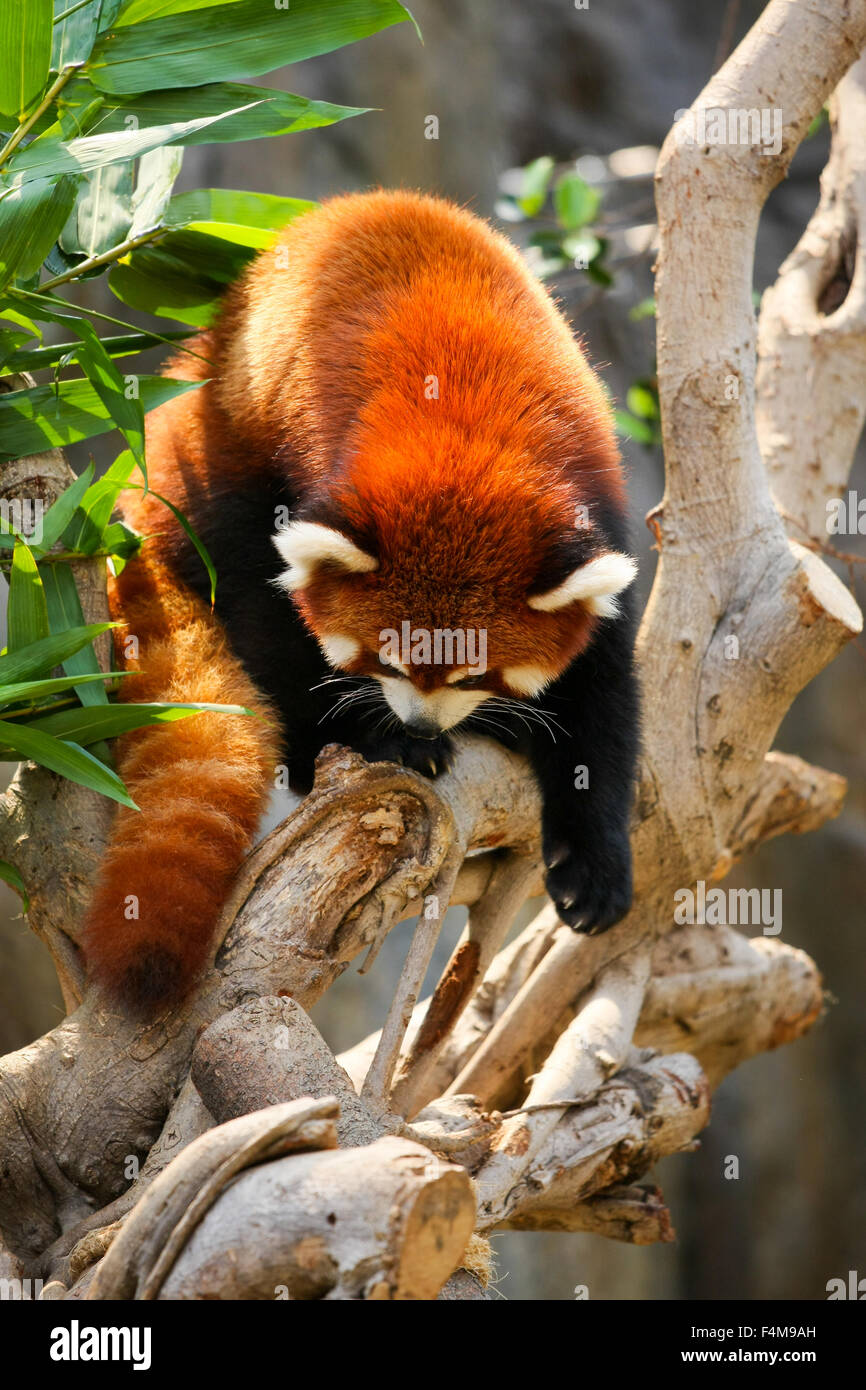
[
  {"x": 392, "y": 670},
  {"x": 468, "y": 682}
]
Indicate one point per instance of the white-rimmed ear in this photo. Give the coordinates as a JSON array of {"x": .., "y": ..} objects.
[
  {"x": 339, "y": 649},
  {"x": 304, "y": 545},
  {"x": 595, "y": 584},
  {"x": 526, "y": 680}
]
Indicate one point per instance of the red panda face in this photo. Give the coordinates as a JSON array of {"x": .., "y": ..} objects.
[{"x": 443, "y": 633}]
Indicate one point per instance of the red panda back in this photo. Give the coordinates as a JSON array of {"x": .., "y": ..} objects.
[
  {"x": 361, "y": 301},
  {"x": 382, "y": 336}
]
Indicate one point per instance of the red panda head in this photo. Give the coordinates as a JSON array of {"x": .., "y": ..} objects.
[{"x": 466, "y": 584}]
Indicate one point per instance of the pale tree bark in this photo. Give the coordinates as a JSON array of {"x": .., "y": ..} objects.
[{"x": 545, "y": 1076}]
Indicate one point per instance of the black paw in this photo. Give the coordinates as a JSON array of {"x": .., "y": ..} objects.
[
  {"x": 430, "y": 756},
  {"x": 590, "y": 882}
]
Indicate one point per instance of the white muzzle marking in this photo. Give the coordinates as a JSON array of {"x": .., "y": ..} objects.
[{"x": 445, "y": 708}]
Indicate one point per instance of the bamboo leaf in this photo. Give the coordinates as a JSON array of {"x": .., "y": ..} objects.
[
  {"x": 157, "y": 172},
  {"x": 263, "y": 111},
  {"x": 25, "y": 53},
  {"x": 65, "y": 615},
  {"x": 199, "y": 545},
  {"x": 102, "y": 213},
  {"x": 110, "y": 9},
  {"x": 50, "y": 155},
  {"x": 44, "y": 417},
  {"x": 206, "y": 207},
  {"x": 86, "y": 726},
  {"x": 136, "y": 11},
  {"x": 183, "y": 276},
  {"x": 124, "y": 345},
  {"x": 87, "y": 530},
  {"x": 235, "y": 41},
  {"x": 124, "y": 409},
  {"x": 121, "y": 543},
  {"x": 31, "y": 218},
  {"x": 38, "y": 690},
  {"x": 74, "y": 36},
  {"x": 26, "y": 613},
  {"x": 67, "y": 759},
  {"x": 60, "y": 513},
  {"x": 44, "y": 655},
  {"x": 15, "y": 330}
]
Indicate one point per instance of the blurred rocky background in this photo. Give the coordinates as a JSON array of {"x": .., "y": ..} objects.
[{"x": 509, "y": 82}]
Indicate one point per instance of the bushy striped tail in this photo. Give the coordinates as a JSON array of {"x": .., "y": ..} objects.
[{"x": 201, "y": 783}]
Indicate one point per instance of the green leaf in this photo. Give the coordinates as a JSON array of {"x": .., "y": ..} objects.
[
  {"x": 15, "y": 330},
  {"x": 240, "y": 40},
  {"x": 10, "y": 875},
  {"x": 65, "y": 615},
  {"x": 58, "y": 263},
  {"x": 60, "y": 513},
  {"x": 157, "y": 172},
  {"x": 74, "y": 36},
  {"x": 25, "y": 53},
  {"x": 102, "y": 213},
  {"x": 26, "y": 613},
  {"x": 38, "y": 690},
  {"x": 575, "y": 201},
  {"x": 50, "y": 154},
  {"x": 7, "y": 313},
  {"x": 228, "y": 206},
  {"x": 136, "y": 11},
  {"x": 126, "y": 412},
  {"x": 121, "y": 542},
  {"x": 67, "y": 759},
  {"x": 91, "y": 725},
  {"x": 183, "y": 276},
  {"x": 634, "y": 428},
  {"x": 264, "y": 111},
  {"x": 581, "y": 247},
  {"x": 646, "y": 309},
  {"x": 244, "y": 219},
  {"x": 125, "y": 345},
  {"x": 86, "y": 531},
  {"x": 199, "y": 545},
  {"x": 30, "y": 219},
  {"x": 642, "y": 402},
  {"x": 10, "y": 340},
  {"x": 109, "y": 14},
  {"x": 44, "y": 655},
  {"x": 69, "y": 122},
  {"x": 45, "y": 417},
  {"x": 817, "y": 123},
  {"x": 536, "y": 178}
]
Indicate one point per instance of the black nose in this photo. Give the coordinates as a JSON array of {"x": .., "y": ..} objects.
[{"x": 422, "y": 728}]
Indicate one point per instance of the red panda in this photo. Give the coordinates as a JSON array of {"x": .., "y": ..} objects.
[{"x": 407, "y": 476}]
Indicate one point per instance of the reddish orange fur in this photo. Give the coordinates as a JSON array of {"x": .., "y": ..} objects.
[
  {"x": 302, "y": 375},
  {"x": 320, "y": 359},
  {"x": 200, "y": 783},
  {"x": 518, "y": 403}
]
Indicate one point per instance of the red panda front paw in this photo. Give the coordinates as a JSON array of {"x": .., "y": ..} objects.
[
  {"x": 590, "y": 884},
  {"x": 429, "y": 756}
]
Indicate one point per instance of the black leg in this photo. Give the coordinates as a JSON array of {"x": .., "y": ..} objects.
[{"x": 587, "y": 780}]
